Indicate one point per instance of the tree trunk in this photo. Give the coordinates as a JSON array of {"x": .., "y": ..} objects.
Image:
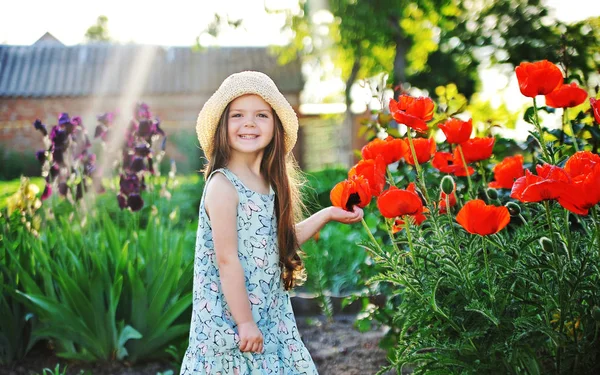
[
  {"x": 348, "y": 124},
  {"x": 402, "y": 45}
]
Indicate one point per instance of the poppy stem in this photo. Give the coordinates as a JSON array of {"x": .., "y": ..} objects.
[
  {"x": 409, "y": 237},
  {"x": 595, "y": 217},
  {"x": 420, "y": 179},
  {"x": 462, "y": 157},
  {"x": 390, "y": 177},
  {"x": 540, "y": 134},
  {"x": 389, "y": 225},
  {"x": 482, "y": 173},
  {"x": 368, "y": 230},
  {"x": 567, "y": 122},
  {"x": 487, "y": 268}
]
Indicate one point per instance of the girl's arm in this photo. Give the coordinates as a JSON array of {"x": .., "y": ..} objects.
[
  {"x": 221, "y": 205},
  {"x": 310, "y": 226}
]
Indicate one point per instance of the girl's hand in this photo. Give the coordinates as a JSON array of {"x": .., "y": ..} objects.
[
  {"x": 251, "y": 339},
  {"x": 346, "y": 217}
]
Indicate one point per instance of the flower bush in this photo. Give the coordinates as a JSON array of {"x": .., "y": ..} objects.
[
  {"x": 495, "y": 268},
  {"x": 68, "y": 165},
  {"x": 139, "y": 154}
]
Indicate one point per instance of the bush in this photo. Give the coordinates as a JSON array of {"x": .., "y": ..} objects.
[{"x": 16, "y": 164}]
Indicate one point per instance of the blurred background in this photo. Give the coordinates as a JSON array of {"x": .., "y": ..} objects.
[{"x": 327, "y": 57}]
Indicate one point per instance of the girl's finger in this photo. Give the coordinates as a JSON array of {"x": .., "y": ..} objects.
[{"x": 243, "y": 345}]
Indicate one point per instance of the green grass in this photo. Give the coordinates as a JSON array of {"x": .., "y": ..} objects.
[{"x": 8, "y": 188}]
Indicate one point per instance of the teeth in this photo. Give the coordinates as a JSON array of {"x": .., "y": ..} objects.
[{"x": 248, "y": 136}]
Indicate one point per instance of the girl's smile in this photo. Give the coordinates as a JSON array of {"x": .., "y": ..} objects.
[{"x": 250, "y": 124}]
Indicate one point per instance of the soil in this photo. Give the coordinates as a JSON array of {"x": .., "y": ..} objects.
[{"x": 336, "y": 348}]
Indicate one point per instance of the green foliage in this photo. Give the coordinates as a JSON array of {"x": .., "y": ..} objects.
[
  {"x": 57, "y": 370},
  {"x": 97, "y": 288},
  {"x": 15, "y": 164},
  {"x": 99, "y": 31},
  {"x": 523, "y": 300}
]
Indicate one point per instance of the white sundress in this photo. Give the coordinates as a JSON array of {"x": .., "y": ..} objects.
[{"x": 214, "y": 341}]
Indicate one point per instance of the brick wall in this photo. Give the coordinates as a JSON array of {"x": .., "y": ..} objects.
[{"x": 177, "y": 113}]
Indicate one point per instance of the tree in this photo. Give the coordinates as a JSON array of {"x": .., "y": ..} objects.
[{"x": 99, "y": 31}]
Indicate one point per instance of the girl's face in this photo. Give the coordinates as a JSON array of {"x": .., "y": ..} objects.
[{"x": 250, "y": 124}]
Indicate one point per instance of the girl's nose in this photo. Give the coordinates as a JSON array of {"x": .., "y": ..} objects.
[{"x": 250, "y": 123}]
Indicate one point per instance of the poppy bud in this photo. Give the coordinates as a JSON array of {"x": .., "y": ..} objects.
[
  {"x": 492, "y": 194},
  {"x": 596, "y": 313},
  {"x": 447, "y": 185},
  {"x": 546, "y": 244},
  {"x": 513, "y": 208}
]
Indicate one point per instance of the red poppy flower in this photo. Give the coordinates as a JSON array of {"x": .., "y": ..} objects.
[
  {"x": 581, "y": 163},
  {"x": 451, "y": 201},
  {"x": 482, "y": 219},
  {"x": 392, "y": 149},
  {"x": 373, "y": 171},
  {"x": 584, "y": 192},
  {"x": 395, "y": 202},
  {"x": 351, "y": 192},
  {"x": 412, "y": 112},
  {"x": 417, "y": 218},
  {"x": 447, "y": 163},
  {"x": 456, "y": 130},
  {"x": 507, "y": 171},
  {"x": 566, "y": 96},
  {"x": 595, "y": 108},
  {"x": 476, "y": 149},
  {"x": 538, "y": 78},
  {"x": 424, "y": 149},
  {"x": 550, "y": 183}
]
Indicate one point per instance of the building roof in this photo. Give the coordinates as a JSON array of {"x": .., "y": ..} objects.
[{"x": 51, "y": 70}]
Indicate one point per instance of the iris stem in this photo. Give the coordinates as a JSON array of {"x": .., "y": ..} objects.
[
  {"x": 540, "y": 134},
  {"x": 462, "y": 158}
]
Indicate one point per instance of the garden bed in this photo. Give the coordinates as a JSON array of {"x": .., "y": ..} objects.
[{"x": 336, "y": 347}]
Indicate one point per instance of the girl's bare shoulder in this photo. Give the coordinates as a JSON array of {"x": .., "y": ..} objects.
[{"x": 220, "y": 188}]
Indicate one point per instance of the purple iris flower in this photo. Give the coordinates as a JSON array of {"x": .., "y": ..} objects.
[
  {"x": 47, "y": 192},
  {"x": 41, "y": 127},
  {"x": 129, "y": 183},
  {"x": 63, "y": 119},
  {"x": 135, "y": 202},
  {"x": 122, "y": 201},
  {"x": 145, "y": 128},
  {"x": 142, "y": 149},
  {"x": 58, "y": 155},
  {"x": 58, "y": 136},
  {"x": 63, "y": 188},
  {"x": 138, "y": 165},
  {"x": 41, "y": 156},
  {"x": 54, "y": 169}
]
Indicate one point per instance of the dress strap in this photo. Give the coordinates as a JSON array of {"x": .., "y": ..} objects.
[{"x": 228, "y": 174}]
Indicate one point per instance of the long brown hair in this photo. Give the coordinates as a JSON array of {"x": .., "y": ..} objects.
[{"x": 283, "y": 173}]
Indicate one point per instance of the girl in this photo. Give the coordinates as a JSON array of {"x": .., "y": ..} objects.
[{"x": 247, "y": 242}]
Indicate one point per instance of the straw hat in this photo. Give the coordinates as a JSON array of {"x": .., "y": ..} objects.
[{"x": 236, "y": 85}]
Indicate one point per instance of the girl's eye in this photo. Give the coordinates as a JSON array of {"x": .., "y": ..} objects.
[
  {"x": 263, "y": 115},
  {"x": 236, "y": 115}
]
